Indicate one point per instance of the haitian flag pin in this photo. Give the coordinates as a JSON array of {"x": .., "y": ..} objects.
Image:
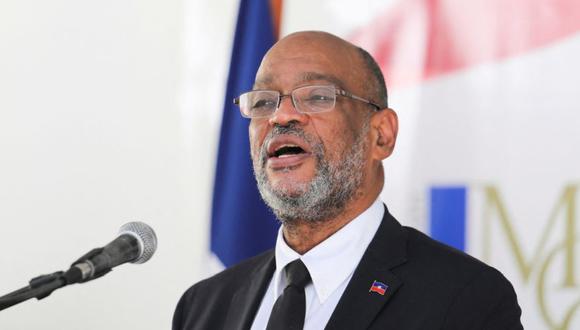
[{"x": 379, "y": 287}]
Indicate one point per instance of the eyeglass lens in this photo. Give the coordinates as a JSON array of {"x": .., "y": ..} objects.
[{"x": 256, "y": 104}]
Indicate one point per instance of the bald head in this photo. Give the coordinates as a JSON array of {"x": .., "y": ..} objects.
[
  {"x": 342, "y": 64},
  {"x": 320, "y": 40}
]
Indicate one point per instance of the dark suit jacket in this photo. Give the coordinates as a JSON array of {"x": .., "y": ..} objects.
[{"x": 430, "y": 286}]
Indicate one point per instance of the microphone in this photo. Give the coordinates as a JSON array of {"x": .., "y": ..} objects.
[{"x": 135, "y": 243}]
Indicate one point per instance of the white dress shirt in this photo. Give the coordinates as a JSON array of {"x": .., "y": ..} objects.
[{"x": 330, "y": 264}]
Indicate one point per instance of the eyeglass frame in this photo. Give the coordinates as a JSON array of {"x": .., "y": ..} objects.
[{"x": 338, "y": 92}]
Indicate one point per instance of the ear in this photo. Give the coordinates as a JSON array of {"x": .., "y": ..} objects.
[{"x": 384, "y": 129}]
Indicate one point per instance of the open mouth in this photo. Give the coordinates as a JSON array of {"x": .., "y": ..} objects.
[{"x": 287, "y": 151}]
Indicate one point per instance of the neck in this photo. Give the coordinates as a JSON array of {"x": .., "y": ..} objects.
[{"x": 303, "y": 235}]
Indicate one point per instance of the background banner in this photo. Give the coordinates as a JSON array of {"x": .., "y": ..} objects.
[{"x": 241, "y": 224}]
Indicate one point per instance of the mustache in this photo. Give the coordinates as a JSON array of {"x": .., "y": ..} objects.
[{"x": 290, "y": 129}]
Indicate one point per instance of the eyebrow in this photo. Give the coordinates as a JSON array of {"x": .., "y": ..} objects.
[
  {"x": 310, "y": 76},
  {"x": 262, "y": 81},
  {"x": 303, "y": 78}
]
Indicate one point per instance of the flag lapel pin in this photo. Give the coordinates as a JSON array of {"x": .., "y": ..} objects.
[{"x": 378, "y": 287}]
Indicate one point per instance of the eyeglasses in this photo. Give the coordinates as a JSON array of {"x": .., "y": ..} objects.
[{"x": 307, "y": 99}]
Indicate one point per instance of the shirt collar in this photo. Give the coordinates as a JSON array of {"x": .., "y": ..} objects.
[{"x": 332, "y": 261}]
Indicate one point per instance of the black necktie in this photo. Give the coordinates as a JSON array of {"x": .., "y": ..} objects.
[{"x": 289, "y": 310}]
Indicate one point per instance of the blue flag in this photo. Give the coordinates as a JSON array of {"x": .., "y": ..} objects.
[{"x": 242, "y": 226}]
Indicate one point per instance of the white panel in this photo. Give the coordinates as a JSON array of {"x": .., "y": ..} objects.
[{"x": 109, "y": 112}]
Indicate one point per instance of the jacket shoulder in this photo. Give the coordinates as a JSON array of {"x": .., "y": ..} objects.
[
  {"x": 424, "y": 249},
  {"x": 209, "y": 298},
  {"x": 233, "y": 273},
  {"x": 444, "y": 264},
  {"x": 464, "y": 291}
]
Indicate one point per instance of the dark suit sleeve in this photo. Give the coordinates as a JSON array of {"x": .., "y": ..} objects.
[
  {"x": 178, "y": 315},
  {"x": 487, "y": 302}
]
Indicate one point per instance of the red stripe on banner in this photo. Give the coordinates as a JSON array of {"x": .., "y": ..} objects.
[
  {"x": 422, "y": 39},
  {"x": 276, "y": 13}
]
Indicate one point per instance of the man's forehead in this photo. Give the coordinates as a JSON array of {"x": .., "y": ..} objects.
[
  {"x": 312, "y": 40},
  {"x": 305, "y": 57},
  {"x": 301, "y": 78}
]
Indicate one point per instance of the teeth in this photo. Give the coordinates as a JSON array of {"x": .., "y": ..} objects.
[
  {"x": 287, "y": 150},
  {"x": 286, "y": 145}
]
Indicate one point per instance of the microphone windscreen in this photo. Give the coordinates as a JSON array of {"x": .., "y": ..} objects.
[{"x": 146, "y": 237}]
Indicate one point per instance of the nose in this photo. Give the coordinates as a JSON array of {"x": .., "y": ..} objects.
[{"x": 287, "y": 113}]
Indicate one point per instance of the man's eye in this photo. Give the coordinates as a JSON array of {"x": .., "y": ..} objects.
[
  {"x": 319, "y": 97},
  {"x": 264, "y": 103}
]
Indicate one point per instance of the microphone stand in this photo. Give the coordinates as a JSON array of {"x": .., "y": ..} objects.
[
  {"x": 42, "y": 286},
  {"x": 39, "y": 287}
]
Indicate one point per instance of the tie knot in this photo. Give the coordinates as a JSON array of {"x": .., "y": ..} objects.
[{"x": 297, "y": 274}]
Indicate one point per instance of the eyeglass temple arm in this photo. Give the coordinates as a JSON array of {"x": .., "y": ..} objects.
[{"x": 352, "y": 96}]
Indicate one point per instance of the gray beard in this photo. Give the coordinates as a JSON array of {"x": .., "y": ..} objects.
[{"x": 323, "y": 198}]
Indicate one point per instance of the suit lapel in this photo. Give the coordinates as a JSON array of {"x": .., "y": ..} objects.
[
  {"x": 359, "y": 306},
  {"x": 247, "y": 299}
]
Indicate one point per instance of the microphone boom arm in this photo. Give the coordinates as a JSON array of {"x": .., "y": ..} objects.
[{"x": 40, "y": 287}]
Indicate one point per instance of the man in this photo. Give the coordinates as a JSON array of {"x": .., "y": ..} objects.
[{"x": 320, "y": 129}]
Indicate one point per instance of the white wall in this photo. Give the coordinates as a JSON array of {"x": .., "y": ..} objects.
[{"x": 109, "y": 113}]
